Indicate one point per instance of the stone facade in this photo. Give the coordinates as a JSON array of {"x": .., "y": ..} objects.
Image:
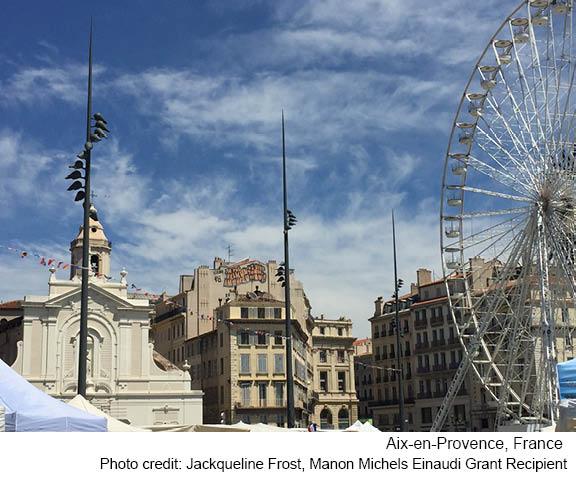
[{"x": 334, "y": 382}]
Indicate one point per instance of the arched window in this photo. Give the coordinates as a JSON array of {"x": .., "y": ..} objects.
[
  {"x": 326, "y": 419},
  {"x": 95, "y": 264},
  {"x": 343, "y": 419}
]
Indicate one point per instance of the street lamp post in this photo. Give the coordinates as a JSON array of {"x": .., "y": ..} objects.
[
  {"x": 283, "y": 275},
  {"x": 397, "y": 285},
  {"x": 94, "y": 133}
]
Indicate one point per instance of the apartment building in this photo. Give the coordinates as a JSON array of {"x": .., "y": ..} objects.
[
  {"x": 241, "y": 365},
  {"x": 363, "y": 377},
  {"x": 429, "y": 356},
  {"x": 336, "y": 403}
]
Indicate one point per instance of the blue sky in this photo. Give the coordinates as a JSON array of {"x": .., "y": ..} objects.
[{"x": 193, "y": 92}]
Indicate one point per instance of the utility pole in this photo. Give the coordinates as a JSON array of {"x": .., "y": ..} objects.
[{"x": 400, "y": 368}]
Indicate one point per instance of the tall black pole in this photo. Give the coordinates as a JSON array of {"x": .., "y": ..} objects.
[
  {"x": 289, "y": 373},
  {"x": 82, "y": 359},
  {"x": 398, "y": 345}
]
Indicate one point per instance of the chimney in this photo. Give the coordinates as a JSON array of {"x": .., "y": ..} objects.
[
  {"x": 423, "y": 276},
  {"x": 413, "y": 288},
  {"x": 378, "y": 306}
]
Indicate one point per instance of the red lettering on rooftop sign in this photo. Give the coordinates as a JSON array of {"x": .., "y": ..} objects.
[{"x": 244, "y": 273}]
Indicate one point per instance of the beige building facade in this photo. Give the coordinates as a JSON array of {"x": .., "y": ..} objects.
[
  {"x": 188, "y": 322},
  {"x": 334, "y": 382},
  {"x": 429, "y": 356},
  {"x": 241, "y": 365}
]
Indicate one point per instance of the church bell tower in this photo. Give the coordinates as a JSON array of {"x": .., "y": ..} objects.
[{"x": 100, "y": 248}]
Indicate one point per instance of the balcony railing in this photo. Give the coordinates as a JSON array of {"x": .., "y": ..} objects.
[
  {"x": 421, "y": 324},
  {"x": 421, "y": 346},
  {"x": 439, "y": 342},
  {"x": 436, "y": 321},
  {"x": 423, "y": 369},
  {"x": 440, "y": 367}
]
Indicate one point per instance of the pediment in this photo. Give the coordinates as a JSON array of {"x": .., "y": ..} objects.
[{"x": 97, "y": 296}]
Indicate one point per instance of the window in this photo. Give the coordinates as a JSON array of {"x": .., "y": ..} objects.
[
  {"x": 341, "y": 356},
  {"x": 343, "y": 419},
  {"x": 426, "y": 415},
  {"x": 342, "y": 381},
  {"x": 324, "y": 381},
  {"x": 279, "y": 394},
  {"x": 278, "y": 363},
  {"x": 262, "y": 338},
  {"x": 244, "y": 312},
  {"x": 262, "y": 363},
  {"x": 262, "y": 390},
  {"x": 221, "y": 393},
  {"x": 277, "y": 313},
  {"x": 221, "y": 366},
  {"x": 245, "y": 387},
  {"x": 280, "y": 420},
  {"x": 278, "y": 337},
  {"x": 322, "y": 330},
  {"x": 326, "y": 419},
  {"x": 244, "y": 363},
  {"x": 261, "y": 312},
  {"x": 244, "y": 338},
  {"x": 221, "y": 339},
  {"x": 340, "y": 331},
  {"x": 323, "y": 356}
]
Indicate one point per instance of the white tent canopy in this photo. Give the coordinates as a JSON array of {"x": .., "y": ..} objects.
[
  {"x": 114, "y": 425},
  {"x": 28, "y": 409}
]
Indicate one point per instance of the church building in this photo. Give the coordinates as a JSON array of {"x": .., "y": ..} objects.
[{"x": 125, "y": 376}]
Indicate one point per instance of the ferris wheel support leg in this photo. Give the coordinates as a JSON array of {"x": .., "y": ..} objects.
[
  {"x": 548, "y": 383},
  {"x": 457, "y": 381}
]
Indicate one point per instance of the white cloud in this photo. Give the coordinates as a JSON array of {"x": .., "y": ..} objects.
[{"x": 30, "y": 174}]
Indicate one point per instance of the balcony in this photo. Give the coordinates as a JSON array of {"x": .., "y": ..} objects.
[
  {"x": 440, "y": 367},
  {"x": 453, "y": 365},
  {"x": 421, "y": 324},
  {"x": 423, "y": 369},
  {"x": 424, "y": 395},
  {"x": 421, "y": 346},
  {"x": 436, "y": 321},
  {"x": 439, "y": 342},
  {"x": 407, "y": 352}
]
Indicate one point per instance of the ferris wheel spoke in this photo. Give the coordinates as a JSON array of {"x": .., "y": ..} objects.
[
  {"x": 540, "y": 89},
  {"x": 498, "y": 229},
  {"x": 495, "y": 213},
  {"x": 494, "y": 141},
  {"x": 499, "y": 174},
  {"x": 491, "y": 193},
  {"x": 527, "y": 94}
]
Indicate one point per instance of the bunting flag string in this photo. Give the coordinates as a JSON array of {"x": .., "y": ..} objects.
[
  {"x": 376, "y": 367},
  {"x": 43, "y": 260},
  {"x": 47, "y": 261}
]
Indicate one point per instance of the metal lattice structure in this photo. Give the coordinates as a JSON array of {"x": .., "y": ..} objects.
[{"x": 508, "y": 215}]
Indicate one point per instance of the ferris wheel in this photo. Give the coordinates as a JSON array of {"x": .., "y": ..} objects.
[{"x": 508, "y": 215}]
